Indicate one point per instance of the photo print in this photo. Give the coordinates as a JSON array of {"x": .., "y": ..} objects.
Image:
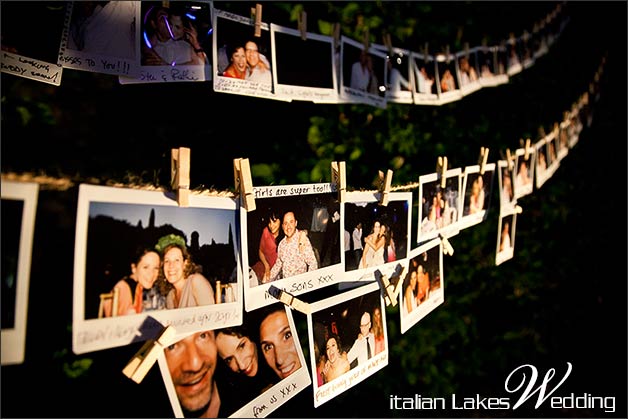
[
  {"x": 478, "y": 188},
  {"x": 375, "y": 237},
  {"x": 399, "y": 75},
  {"x": 19, "y": 206},
  {"x": 101, "y": 37},
  {"x": 541, "y": 171},
  {"x": 439, "y": 208},
  {"x": 563, "y": 137},
  {"x": 524, "y": 173},
  {"x": 468, "y": 71},
  {"x": 175, "y": 42},
  {"x": 424, "y": 70},
  {"x": 31, "y": 50},
  {"x": 242, "y": 61},
  {"x": 491, "y": 72},
  {"x": 363, "y": 73},
  {"x": 243, "y": 371},
  {"x": 423, "y": 285},
  {"x": 348, "y": 340},
  {"x": 292, "y": 241},
  {"x": 303, "y": 68},
  {"x": 447, "y": 85},
  {"x": 507, "y": 196},
  {"x": 551, "y": 152},
  {"x": 174, "y": 266},
  {"x": 505, "y": 237}
]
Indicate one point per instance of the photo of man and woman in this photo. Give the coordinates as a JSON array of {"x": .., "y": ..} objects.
[
  {"x": 477, "y": 194},
  {"x": 363, "y": 73}
]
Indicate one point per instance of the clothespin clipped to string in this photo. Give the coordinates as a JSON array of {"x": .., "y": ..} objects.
[
  {"x": 180, "y": 174},
  {"x": 137, "y": 368},
  {"x": 244, "y": 183},
  {"x": 388, "y": 43},
  {"x": 339, "y": 178},
  {"x": 336, "y": 35},
  {"x": 447, "y": 58},
  {"x": 527, "y": 149},
  {"x": 509, "y": 159},
  {"x": 256, "y": 16},
  {"x": 441, "y": 170},
  {"x": 466, "y": 50},
  {"x": 483, "y": 159},
  {"x": 165, "y": 3},
  {"x": 447, "y": 248},
  {"x": 302, "y": 21},
  {"x": 518, "y": 209},
  {"x": 289, "y": 300},
  {"x": 384, "y": 186},
  {"x": 366, "y": 41}
]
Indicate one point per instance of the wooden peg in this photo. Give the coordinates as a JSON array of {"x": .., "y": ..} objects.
[
  {"x": 289, "y": 300},
  {"x": 483, "y": 159},
  {"x": 384, "y": 186},
  {"x": 518, "y": 209},
  {"x": 388, "y": 43},
  {"x": 366, "y": 41},
  {"x": 425, "y": 51},
  {"x": 143, "y": 360},
  {"x": 441, "y": 170},
  {"x": 447, "y": 57},
  {"x": 303, "y": 24},
  {"x": 389, "y": 290},
  {"x": 180, "y": 174},
  {"x": 527, "y": 149},
  {"x": 339, "y": 178},
  {"x": 447, "y": 248},
  {"x": 244, "y": 183},
  {"x": 509, "y": 159},
  {"x": 257, "y": 16},
  {"x": 336, "y": 35}
]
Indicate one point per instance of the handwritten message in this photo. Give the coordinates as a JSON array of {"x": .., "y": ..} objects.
[
  {"x": 31, "y": 69},
  {"x": 107, "y": 65}
]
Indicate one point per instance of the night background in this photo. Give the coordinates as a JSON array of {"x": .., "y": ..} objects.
[{"x": 562, "y": 298}]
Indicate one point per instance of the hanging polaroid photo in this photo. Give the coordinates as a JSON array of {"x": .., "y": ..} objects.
[
  {"x": 551, "y": 151},
  {"x": 468, "y": 71},
  {"x": 399, "y": 74},
  {"x": 101, "y": 37},
  {"x": 303, "y": 69},
  {"x": 375, "y": 236},
  {"x": 363, "y": 73},
  {"x": 348, "y": 340},
  {"x": 541, "y": 171},
  {"x": 492, "y": 70},
  {"x": 478, "y": 189},
  {"x": 563, "y": 137},
  {"x": 175, "y": 42},
  {"x": 423, "y": 286},
  {"x": 524, "y": 173},
  {"x": 30, "y": 49},
  {"x": 439, "y": 208},
  {"x": 507, "y": 196},
  {"x": 424, "y": 70},
  {"x": 141, "y": 262},
  {"x": 446, "y": 84},
  {"x": 505, "y": 237},
  {"x": 19, "y": 206},
  {"x": 242, "y": 60},
  {"x": 292, "y": 241}
]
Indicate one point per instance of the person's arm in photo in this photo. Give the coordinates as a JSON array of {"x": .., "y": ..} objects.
[
  {"x": 191, "y": 36},
  {"x": 202, "y": 289},
  {"x": 308, "y": 253},
  {"x": 262, "y": 258},
  {"x": 276, "y": 269}
]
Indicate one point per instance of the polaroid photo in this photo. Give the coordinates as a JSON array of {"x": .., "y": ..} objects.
[
  {"x": 423, "y": 286},
  {"x": 101, "y": 37},
  {"x": 551, "y": 151},
  {"x": 141, "y": 262},
  {"x": 505, "y": 238},
  {"x": 348, "y": 340},
  {"x": 446, "y": 84},
  {"x": 303, "y": 69},
  {"x": 31, "y": 36},
  {"x": 363, "y": 73},
  {"x": 478, "y": 189},
  {"x": 242, "y": 61},
  {"x": 244, "y": 371},
  {"x": 541, "y": 172},
  {"x": 507, "y": 196},
  {"x": 19, "y": 206},
  {"x": 175, "y": 42},
  {"x": 292, "y": 241},
  {"x": 375, "y": 237},
  {"x": 563, "y": 139},
  {"x": 467, "y": 71},
  {"x": 491, "y": 72},
  {"x": 424, "y": 70},
  {"x": 399, "y": 77},
  {"x": 513, "y": 59},
  {"x": 439, "y": 208},
  {"x": 524, "y": 173}
]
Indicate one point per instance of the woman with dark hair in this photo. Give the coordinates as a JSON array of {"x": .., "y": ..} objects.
[
  {"x": 267, "y": 250},
  {"x": 337, "y": 363},
  {"x": 237, "y": 63}
]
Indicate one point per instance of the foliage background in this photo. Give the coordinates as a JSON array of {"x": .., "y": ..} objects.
[{"x": 561, "y": 299}]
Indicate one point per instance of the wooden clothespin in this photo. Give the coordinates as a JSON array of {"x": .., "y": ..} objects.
[
  {"x": 366, "y": 40},
  {"x": 509, "y": 159},
  {"x": 441, "y": 170},
  {"x": 483, "y": 159},
  {"x": 447, "y": 58},
  {"x": 390, "y": 295},
  {"x": 336, "y": 35},
  {"x": 384, "y": 186},
  {"x": 302, "y": 21},
  {"x": 466, "y": 49},
  {"x": 388, "y": 43},
  {"x": 518, "y": 209},
  {"x": 244, "y": 183},
  {"x": 542, "y": 132},
  {"x": 180, "y": 174},
  {"x": 447, "y": 248},
  {"x": 527, "y": 149},
  {"x": 289, "y": 300},
  {"x": 143, "y": 360},
  {"x": 339, "y": 178},
  {"x": 165, "y": 3},
  {"x": 256, "y": 16}
]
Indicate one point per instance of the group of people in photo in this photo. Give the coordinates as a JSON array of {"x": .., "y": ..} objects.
[
  {"x": 419, "y": 282},
  {"x": 374, "y": 249}
]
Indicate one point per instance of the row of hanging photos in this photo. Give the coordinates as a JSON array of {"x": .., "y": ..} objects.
[
  {"x": 383, "y": 286},
  {"x": 398, "y": 75}
]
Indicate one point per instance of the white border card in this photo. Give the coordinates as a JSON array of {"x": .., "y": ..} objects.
[
  {"x": 475, "y": 207},
  {"x": 524, "y": 174},
  {"x": 446, "y": 205},
  {"x": 350, "y": 53},
  {"x": 505, "y": 238}
]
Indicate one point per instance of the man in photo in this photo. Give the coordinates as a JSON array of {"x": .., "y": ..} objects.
[
  {"x": 277, "y": 342},
  {"x": 364, "y": 346},
  {"x": 259, "y": 67},
  {"x": 295, "y": 254}
]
